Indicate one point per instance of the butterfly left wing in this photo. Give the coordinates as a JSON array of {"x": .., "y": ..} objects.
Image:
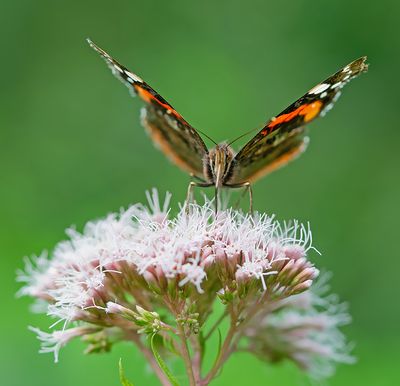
[
  {"x": 283, "y": 137},
  {"x": 175, "y": 137}
]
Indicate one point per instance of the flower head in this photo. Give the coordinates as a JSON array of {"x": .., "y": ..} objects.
[{"x": 121, "y": 269}]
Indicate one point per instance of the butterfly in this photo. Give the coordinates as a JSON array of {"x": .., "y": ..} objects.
[{"x": 281, "y": 140}]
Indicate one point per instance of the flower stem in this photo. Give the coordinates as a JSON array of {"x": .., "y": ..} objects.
[
  {"x": 186, "y": 355},
  {"x": 224, "y": 353},
  {"x": 197, "y": 358},
  {"x": 149, "y": 356}
]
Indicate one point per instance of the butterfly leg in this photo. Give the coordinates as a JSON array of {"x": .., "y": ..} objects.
[
  {"x": 216, "y": 200},
  {"x": 247, "y": 188},
  {"x": 189, "y": 195},
  {"x": 196, "y": 178}
]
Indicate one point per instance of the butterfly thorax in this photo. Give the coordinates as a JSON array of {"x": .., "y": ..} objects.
[{"x": 217, "y": 164}]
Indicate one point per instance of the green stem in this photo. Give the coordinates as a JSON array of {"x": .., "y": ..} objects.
[
  {"x": 149, "y": 356},
  {"x": 186, "y": 355},
  {"x": 224, "y": 353}
]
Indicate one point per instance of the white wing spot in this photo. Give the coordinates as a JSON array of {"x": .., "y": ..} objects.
[
  {"x": 134, "y": 77},
  {"x": 336, "y": 97},
  {"x": 319, "y": 88},
  {"x": 117, "y": 67},
  {"x": 172, "y": 122},
  {"x": 338, "y": 84},
  {"x": 143, "y": 113},
  {"x": 324, "y": 94}
]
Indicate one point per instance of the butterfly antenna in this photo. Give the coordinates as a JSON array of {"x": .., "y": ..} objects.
[
  {"x": 242, "y": 135},
  {"x": 201, "y": 132}
]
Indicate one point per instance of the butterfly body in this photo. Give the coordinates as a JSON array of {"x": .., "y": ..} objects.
[
  {"x": 219, "y": 165},
  {"x": 281, "y": 140}
]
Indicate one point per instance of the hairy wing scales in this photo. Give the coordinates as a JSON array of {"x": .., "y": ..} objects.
[
  {"x": 173, "y": 143},
  {"x": 282, "y": 155}
]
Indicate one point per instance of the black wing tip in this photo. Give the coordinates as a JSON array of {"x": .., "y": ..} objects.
[
  {"x": 359, "y": 65},
  {"x": 122, "y": 73},
  {"x": 96, "y": 47},
  {"x": 91, "y": 43}
]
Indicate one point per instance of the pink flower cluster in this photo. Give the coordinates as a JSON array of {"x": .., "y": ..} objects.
[{"x": 114, "y": 274}]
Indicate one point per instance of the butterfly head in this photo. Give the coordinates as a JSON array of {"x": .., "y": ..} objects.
[{"x": 217, "y": 164}]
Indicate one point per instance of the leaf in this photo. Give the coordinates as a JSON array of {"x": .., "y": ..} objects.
[
  {"x": 161, "y": 363},
  {"x": 124, "y": 381}
]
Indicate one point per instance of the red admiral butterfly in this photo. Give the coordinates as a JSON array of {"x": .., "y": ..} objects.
[{"x": 280, "y": 140}]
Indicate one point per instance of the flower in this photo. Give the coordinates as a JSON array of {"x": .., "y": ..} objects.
[
  {"x": 305, "y": 329},
  {"x": 143, "y": 271},
  {"x": 57, "y": 339}
]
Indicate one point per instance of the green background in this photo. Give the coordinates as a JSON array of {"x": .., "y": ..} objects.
[{"x": 72, "y": 149}]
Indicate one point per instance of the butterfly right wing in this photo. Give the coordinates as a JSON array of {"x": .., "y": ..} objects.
[
  {"x": 283, "y": 137},
  {"x": 168, "y": 129}
]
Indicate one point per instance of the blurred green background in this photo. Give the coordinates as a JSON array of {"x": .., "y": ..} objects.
[{"x": 72, "y": 149}]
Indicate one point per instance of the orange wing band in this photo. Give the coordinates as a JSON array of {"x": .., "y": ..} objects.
[
  {"x": 148, "y": 97},
  {"x": 309, "y": 111}
]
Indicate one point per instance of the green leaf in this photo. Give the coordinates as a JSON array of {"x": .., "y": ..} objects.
[
  {"x": 122, "y": 378},
  {"x": 161, "y": 363}
]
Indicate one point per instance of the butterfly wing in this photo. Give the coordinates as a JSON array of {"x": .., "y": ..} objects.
[
  {"x": 283, "y": 137},
  {"x": 167, "y": 128}
]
